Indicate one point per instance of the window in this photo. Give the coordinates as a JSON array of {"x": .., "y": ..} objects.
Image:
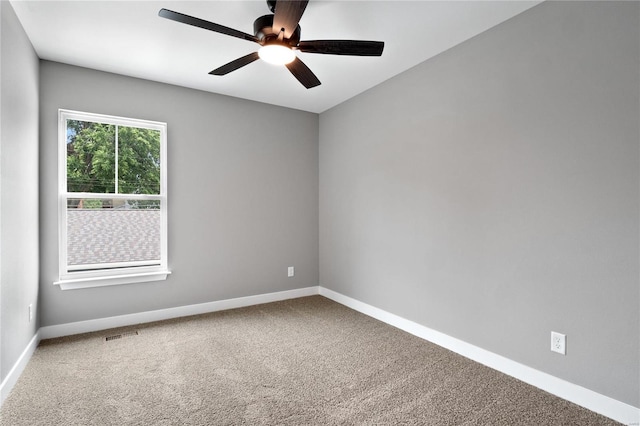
[{"x": 112, "y": 200}]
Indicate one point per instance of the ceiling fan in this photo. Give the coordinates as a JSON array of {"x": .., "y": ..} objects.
[{"x": 279, "y": 37}]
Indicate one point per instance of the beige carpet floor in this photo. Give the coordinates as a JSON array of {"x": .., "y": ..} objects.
[{"x": 307, "y": 361}]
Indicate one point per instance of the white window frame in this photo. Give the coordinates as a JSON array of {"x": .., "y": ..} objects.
[{"x": 112, "y": 274}]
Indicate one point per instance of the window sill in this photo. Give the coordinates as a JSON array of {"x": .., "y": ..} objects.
[{"x": 77, "y": 283}]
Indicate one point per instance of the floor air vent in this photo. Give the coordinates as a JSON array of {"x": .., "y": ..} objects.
[{"x": 120, "y": 336}]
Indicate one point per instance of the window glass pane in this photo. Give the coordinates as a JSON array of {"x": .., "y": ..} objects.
[
  {"x": 138, "y": 161},
  {"x": 112, "y": 233},
  {"x": 90, "y": 157}
]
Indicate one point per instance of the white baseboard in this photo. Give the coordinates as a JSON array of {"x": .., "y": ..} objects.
[
  {"x": 579, "y": 395},
  {"x": 12, "y": 378},
  {"x": 68, "y": 329}
]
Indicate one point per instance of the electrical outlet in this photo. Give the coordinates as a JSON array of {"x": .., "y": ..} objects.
[
  {"x": 558, "y": 343},
  {"x": 30, "y": 312},
  {"x": 290, "y": 271}
]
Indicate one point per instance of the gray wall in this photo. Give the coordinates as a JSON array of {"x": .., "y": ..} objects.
[
  {"x": 492, "y": 193},
  {"x": 243, "y": 194},
  {"x": 18, "y": 189}
]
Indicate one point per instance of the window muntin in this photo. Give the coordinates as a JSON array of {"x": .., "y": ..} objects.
[{"x": 112, "y": 198}]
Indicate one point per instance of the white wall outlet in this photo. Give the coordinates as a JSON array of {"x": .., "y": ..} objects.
[
  {"x": 290, "y": 271},
  {"x": 30, "y": 312},
  {"x": 558, "y": 343}
]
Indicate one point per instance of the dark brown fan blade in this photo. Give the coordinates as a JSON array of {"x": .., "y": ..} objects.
[
  {"x": 197, "y": 22},
  {"x": 343, "y": 47},
  {"x": 287, "y": 16},
  {"x": 234, "y": 65},
  {"x": 303, "y": 74}
]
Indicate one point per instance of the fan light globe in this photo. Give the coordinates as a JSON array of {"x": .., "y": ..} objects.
[{"x": 276, "y": 54}]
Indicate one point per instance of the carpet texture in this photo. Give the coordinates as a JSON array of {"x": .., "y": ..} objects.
[{"x": 306, "y": 361}]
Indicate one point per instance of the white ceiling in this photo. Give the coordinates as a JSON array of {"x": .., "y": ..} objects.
[{"x": 128, "y": 37}]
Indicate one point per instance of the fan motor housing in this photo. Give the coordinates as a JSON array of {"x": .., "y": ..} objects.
[{"x": 263, "y": 30}]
